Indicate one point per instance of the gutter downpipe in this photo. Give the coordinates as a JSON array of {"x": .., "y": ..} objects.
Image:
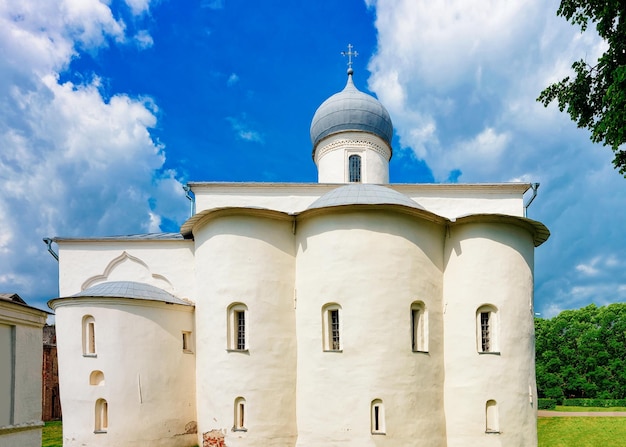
[
  {"x": 192, "y": 199},
  {"x": 48, "y": 241},
  {"x": 535, "y": 187}
]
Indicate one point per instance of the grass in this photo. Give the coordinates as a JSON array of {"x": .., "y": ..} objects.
[
  {"x": 52, "y": 434},
  {"x": 581, "y": 431},
  {"x": 553, "y": 432},
  {"x": 579, "y": 409}
]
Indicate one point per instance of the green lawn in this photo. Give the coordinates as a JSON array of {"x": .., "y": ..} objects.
[
  {"x": 581, "y": 431},
  {"x": 579, "y": 409},
  {"x": 553, "y": 432},
  {"x": 52, "y": 435}
]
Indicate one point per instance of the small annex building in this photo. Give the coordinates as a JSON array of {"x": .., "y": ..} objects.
[
  {"x": 21, "y": 352},
  {"x": 348, "y": 312}
]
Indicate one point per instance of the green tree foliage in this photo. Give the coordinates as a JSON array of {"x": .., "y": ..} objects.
[
  {"x": 596, "y": 97},
  {"x": 582, "y": 353}
]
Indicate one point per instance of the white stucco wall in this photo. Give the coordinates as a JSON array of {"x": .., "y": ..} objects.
[
  {"x": 331, "y": 158},
  {"x": 447, "y": 200},
  {"x": 374, "y": 265},
  {"x": 149, "y": 382},
  {"x": 164, "y": 264},
  {"x": 21, "y": 350},
  {"x": 489, "y": 264},
  {"x": 249, "y": 260}
]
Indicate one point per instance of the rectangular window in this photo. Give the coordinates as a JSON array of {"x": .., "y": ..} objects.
[
  {"x": 484, "y": 331},
  {"x": 334, "y": 329},
  {"x": 187, "y": 342},
  {"x": 240, "y": 318},
  {"x": 415, "y": 318},
  {"x": 376, "y": 418},
  {"x": 91, "y": 328}
]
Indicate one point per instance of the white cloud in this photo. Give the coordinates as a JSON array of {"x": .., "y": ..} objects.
[
  {"x": 138, "y": 7},
  {"x": 460, "y": 79},
  {"x": 243, "y": 130},
  {"x": 73, "y": 163},
  {"x": 144, "y": 39},
  {"x": 232, "y": 79}
]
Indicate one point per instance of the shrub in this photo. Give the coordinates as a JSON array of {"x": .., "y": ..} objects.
[
  {"x": 546, "y": 404},
  {"x": 594, "y": 403}
]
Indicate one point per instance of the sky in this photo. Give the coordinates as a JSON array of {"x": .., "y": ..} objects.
[{"x": 107, "y": 108}]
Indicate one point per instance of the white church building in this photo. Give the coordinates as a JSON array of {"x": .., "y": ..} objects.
[{"x": 348, "y": 312}]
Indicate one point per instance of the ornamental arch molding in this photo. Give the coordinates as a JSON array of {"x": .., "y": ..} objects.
[{"x": 127, "y": 267}]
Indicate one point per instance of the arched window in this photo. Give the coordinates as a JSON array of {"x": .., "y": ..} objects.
[
  {"x": 89, "y": 336},
  {"x": 354, "y": 168},
  {"x": 419, "y": 327},
  {"x": 96, "y": 378},
  {"x": 237, "y": 327},
  {"x": 492, "y": 424},
  {"x": 378, "y": 417},
  {"x": 487, "y": 329},
  {"x": 331, "y": 327},
  {"x": 101, "y": 416},
  {"x": 240, "y": 415}
]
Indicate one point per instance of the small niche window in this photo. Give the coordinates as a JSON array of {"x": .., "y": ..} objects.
[
  {"x": 331, "y": 327},
  {"x": 419, "y": 327},
  {"x": 102, "y": 416},
  {"x": 492, "y": 424},
  {"x": 96, "y": 378},
  {"x": 487, "y": 329},
  {"x": 354, "y": 168},
  {"x": 378, "y": 417},
  {"x": 238, "y": 327},
  {"x": 240, "y": 415},
  {"x": 186, "y": 335},
  {"x": 89, "y": 336}
]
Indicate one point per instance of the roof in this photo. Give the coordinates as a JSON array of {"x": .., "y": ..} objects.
[
  {"x": 363, "y": 194},
  {"x": 13, "y": 297},
  {"x": 351, "y": 109},
  {"x": 129, "y": 237},
  {"x": 129, "y": 290}
]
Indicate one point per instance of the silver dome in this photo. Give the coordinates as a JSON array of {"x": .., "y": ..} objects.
[
  {"x": 351, "y": 109},
  {"x": 363, "y": 194}
]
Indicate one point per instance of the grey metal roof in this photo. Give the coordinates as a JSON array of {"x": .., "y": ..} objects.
[
  {"x": 351, "y": 109},
  {"x": 128, "y": 237},
  {"x": 130, "y": 289},
  {"x": 363, "y": 194},
  {"x": 13, "y": 297}
]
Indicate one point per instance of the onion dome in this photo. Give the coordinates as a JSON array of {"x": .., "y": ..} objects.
[{"x": 351, "y": 110}]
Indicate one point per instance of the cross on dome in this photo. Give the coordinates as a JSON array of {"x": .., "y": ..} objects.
[{"x": 349, "y": 53}]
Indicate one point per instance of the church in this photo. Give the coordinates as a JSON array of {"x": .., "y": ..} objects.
[{"x": 348, "y": 312}]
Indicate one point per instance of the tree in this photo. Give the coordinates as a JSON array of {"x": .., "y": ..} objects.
[
  {"x": 582, "y": 353},
  {"x": 596, "y": 97}
]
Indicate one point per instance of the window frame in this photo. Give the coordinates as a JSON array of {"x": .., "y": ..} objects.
[
  {"x": 187, "y": 342},
  {"x": 487, "y": 330},
  {"x": 238, "y": 328},
  {"x": 88, "y": 327},
  {"x": 240, "y": 413},
  {"x": 355, "y": 170},
  {"x": 492, "y": 418},
  {"x": 332, "y": 328},
  {"x": 101, "y": 422},
  {"x": 377, "y": 417},
  {"x": 419, "y": 326}
]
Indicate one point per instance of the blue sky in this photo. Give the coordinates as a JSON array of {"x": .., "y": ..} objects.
[{"x": 108, "y": 108}]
